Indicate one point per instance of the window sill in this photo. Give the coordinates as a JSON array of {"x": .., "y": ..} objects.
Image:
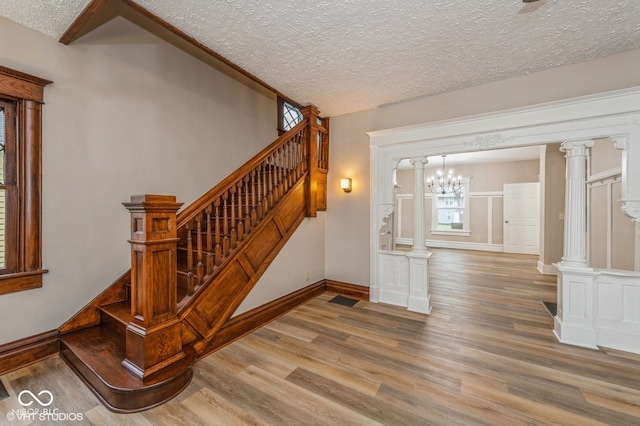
[
  {"x": 457, "y": 232},
  {"x": 21, "y": 281}
]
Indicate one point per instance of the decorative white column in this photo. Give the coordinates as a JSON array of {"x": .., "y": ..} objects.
[
  {"x": 419, "y": 299},
  {"x": 419, "y": 234},
  {"x": 575, "y": 210},
  {"x": 574, "y": 322}
]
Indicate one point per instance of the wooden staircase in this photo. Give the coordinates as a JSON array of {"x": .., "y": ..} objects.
[{"x": 134, "y": 344}]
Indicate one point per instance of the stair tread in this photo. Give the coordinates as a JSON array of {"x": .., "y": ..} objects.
[
  {"x": 103, "y": 350},
  {"x": 120, "y": 311}
]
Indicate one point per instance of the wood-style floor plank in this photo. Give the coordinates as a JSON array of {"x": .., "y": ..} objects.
[{"x": 485, "y": 356}]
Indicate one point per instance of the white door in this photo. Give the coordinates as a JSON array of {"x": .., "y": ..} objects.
[{"x": 522, "y": 218}]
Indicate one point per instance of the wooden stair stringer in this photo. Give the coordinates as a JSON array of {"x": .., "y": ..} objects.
[
  {"x": 207, "y": 313},
  {"x": 89, "y": 315}
]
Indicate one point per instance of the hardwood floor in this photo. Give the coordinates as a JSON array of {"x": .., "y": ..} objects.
[{"x": 486, "y": 355}]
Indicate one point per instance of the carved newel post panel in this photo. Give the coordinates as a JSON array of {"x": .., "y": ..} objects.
[
  {"x": 311, "y": 149},
  {"x": 153, "y": 337}
]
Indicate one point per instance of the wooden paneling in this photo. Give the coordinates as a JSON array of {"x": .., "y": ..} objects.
[
  {"x": 220, "y": 293},
  {"x": 291, "y": 208},
  {"x": 268, "y": 236}
]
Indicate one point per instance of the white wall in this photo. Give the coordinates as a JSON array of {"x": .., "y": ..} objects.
[
  {"x": 347, "y": 234},
  {"x": 128, "y": 114}
]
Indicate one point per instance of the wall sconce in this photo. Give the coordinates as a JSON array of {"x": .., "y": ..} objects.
[{"x": 345, "y": 184}]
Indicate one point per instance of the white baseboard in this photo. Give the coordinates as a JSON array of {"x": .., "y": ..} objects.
[
  {"x": 547, "y": 269},
  {"x": 454, "y": 245}
]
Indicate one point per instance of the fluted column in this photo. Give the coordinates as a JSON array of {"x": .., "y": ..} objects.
[
  {"x": 574, "y": 321},
  {"x": 575, "y": 213},
  {"x": 419, "y": 234}
]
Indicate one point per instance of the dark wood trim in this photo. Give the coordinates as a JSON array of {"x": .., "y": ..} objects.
[
  {"x": 21, "y": 281},
  {"x": 358, "y": 291},
  {"x": 23, "y": 352},
  {"x": 76, "y": 28},
  {"x": 247, "y": 322},
  {"x": 22, "y": 85},
  {"x": 86, "y": 21},
  {"x": 26, "y": 232}
]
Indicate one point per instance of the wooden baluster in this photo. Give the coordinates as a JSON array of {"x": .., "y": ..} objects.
[
  {"x": 271, "y": 181},
  {"x": 199, "y": 264},
  {"x": 300, "y": 142},
  {"x": 296, "y": 154},
  {"x": 285, "y": 168},
  {"x": 234, "y": 231},
  {"x": 210, "y": 260},
  {"x": 218, "y": 249},
  {"x": 276, "y": 179},
  {"x": 189, "y": 248},
  {"x": 241, "y": 227},
  {"x": 283, "y": 183},
  {"x": 225, "y": 226},
  {"x": 305, "y": 153},
  {"x": 247, "y": 207},
  {"x": 291, "y": 165},
  {"x": 259, "y": 206},
  {"x": 254, "y": 205},
  {"x": 191, "y": 284},
  {"x": 265, "y": 192}
]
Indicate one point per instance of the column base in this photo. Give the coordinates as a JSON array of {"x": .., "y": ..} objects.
[{"x": 575, "y": 335}]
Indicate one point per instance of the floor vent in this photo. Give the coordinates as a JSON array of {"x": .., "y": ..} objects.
[
  {"x": 552, "y": 308},
  {"x": 3, "y": 391},
  {"x": 344, "y": 301}
]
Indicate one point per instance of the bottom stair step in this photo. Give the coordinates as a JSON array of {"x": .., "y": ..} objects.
[{"x": 96, "y": 355}]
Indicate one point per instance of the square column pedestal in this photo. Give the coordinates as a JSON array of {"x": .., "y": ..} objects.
[
  {"x": 574, "y": 321},
  {"x": 419, "y": 297}
]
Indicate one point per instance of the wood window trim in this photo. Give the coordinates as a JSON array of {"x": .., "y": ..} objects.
[{"x": 28, "y": 92}]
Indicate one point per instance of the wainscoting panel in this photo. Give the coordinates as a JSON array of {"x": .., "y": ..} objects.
[{"x": 394, "y": 278}]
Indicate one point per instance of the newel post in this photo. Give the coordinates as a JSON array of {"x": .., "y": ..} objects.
[
  {"x": 153, "y": 337},
  {"x": 311, "y": 186}
]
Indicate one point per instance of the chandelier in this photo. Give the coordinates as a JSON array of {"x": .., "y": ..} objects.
[{"x": 444, "y": 183}]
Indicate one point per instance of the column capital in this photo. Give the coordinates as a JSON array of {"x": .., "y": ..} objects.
[
  {"x": 418, "y": 162},
  {"x": 577, "y": 147}
]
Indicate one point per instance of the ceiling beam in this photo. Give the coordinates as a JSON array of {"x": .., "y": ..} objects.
[{"x": 98, "y": 12}]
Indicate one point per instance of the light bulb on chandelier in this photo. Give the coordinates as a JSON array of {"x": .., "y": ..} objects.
[{"x": 444, "y": 185}]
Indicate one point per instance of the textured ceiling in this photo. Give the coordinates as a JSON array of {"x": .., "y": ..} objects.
[{"x": 349, "y": 55}]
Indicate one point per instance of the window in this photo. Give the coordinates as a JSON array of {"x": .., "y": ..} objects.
[
  {"x": 288, "y": 115},
  {"x": 21, "y": 97},
  {"x": 450, "y": 212},
  {"x": 8, "y": 186}
]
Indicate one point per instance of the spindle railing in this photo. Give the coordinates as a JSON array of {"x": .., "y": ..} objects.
[{"x": 218, "y": 223}]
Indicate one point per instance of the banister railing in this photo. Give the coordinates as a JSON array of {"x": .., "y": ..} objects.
[
  {"x": 175, "y": 256},
  {"x": 213, "y": 227},
  {"x": 198, "y": 205}
]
